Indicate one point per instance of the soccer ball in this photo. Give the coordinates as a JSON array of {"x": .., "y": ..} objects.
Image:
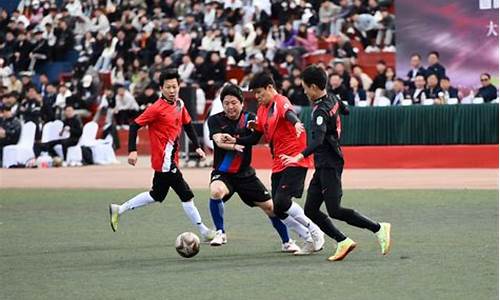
[{"x": 187, "y": 244}]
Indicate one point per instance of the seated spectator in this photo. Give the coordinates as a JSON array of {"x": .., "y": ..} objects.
[
  {"x": 14, "y": 84},
  {"x": 336, "y": 87},
  {"x": 147, "y": 98},
  {"x": 418, "y": 93},
  {"x": 10, "y": 129},
  {"x": 365, "y": 79},
  {"x": 364, "y": 24},
  {"x": 434, "y": 66},
  {"x": 126, "y": 107},
  {"x": 356, "y": 92},
  {"x": 69, "y": 135},
  {"x": 306, "y": 39},
  {"x": 447, "y": 89},
  {"x": 103, "y": 63},
  {"x": 341, "y": 71},
  {"x": 297, "y": 95},
  {"x": 63, "y": 94},
  {"x": 100, "y": 22},
  {"x": 65, "y": 40},
  {"x": 386, "y": 31},
  {"x": 182, "y": 43},
  {"x": 343, "y": 50},
  {"x": 327, "y": 11},
  {"x": 48, "y": 105},
  {"x": 22, "y": 52},
  {"x": 416, "y": 69},
  {"x": 339, "y": 18},
  {"x": 186, "y": 69},
  {"x": 165, "y": 44},
  {"x": 432, "y": 91},
  {"x": 217, "y": 73},
  {"x": 233, "y": 45},
  {"x": 85, "y": 97},
  {"x": 390, "y": 77},
  {"x": 398, "y": 92},
  {"x": 119, "y": 73},
  {"x": 140, "y": 84},
  {"x": 31, "y": 106},
  {"x": 487, "y": 90}
]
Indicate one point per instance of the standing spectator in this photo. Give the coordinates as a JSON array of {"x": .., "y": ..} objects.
[
  {"x": 343, "y": 50},
  {"x": 447, "y": 89},
  {"x": 65, "y": 40},
  {"x": 42, "y": 85},
  {"x": 418, "y": 93},
  {"x": 380, "y": 78},
  {"x": 297, "y": 96},
  {"x": 40, "y": 52},
  {"x": 356, "y": 93},
  {"x": 30, "y": 108},
  {"x": 416, "y": 69},
  {"x": 126, "y": 107},
  {"x": 386, "y": 31},
  {"x": 434, "y": 66},
  {"x": 10, "y": 129},
  {"x": 487, "y": 90},
  {"x": 327, "y": 11},
  {"x": 49, "y": 101},
  {"x": 103, "y": 63},
  {"x": 182, "y": 43},
  {"x": 22, "y": 52},
  {"x": 100, "y": 22},
  {"x": 432, "y": 91}
]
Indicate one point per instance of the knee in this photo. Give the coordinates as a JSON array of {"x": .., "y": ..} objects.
[
  {"x": 217, "y": 192},
  {"x": 158, "y": 196},
  {"x": 268, "y": 208},
  {"x": 282, "y": 204}
]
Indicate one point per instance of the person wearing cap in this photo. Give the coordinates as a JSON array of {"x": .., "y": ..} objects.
[
  {"x": 10, "y": 129},
  {"x": 232, "y": 171},
  {"x": 40, "y": 51}
]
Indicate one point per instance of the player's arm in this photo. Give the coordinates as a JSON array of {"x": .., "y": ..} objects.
[
  {"x": 292, "y": 117},
  {"x": 132, "y": 143},
  {"x": 191, "y": 133},
  {"x": 318, "y": 132},
  {"x": 219, "y": 140}
]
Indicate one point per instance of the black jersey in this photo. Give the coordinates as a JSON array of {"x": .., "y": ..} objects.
[
  {"x": 230, "y": 161},
  {"x": 325, "y": 133}
]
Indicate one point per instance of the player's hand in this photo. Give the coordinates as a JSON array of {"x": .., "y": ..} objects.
[
  {"x": 299, "y": 128},
  {"x": 132, "y": 158},
  {"x": 288, "y": 160},
  {"x": 201, "y": 153},
  {"x": 238, "y": 148},
  {"x": 228, "y": 139}
]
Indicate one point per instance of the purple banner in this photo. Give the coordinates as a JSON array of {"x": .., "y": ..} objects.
[{"x": 464, "y": 32}]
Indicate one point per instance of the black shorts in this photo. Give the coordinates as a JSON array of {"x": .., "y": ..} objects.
[
  {"x": 290, "y": 181},
  {"x": 163, "y": 181},
  {"x": 326, "y": 184},
  {"x": 246, "y": 184}
]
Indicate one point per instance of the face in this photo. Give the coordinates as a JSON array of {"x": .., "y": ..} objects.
[
  {"x": 398, "y": 86},
  {"x": 339, "y": 68},
  {"x": 389, "y": 72},
  {"x": 69, "y": 112},
  {"x": 263, "y": 95},
  {"x": 432, "y": 81},
  {"x": 415, "y": 61},
  {"x": 432, "y": 59},
  {"x": 381, "y": 68},
  {"x": 170, "y": 89},
  {"x": 420, "y": 82},
  {"x": 445, "y": 84},
  {"x": 354, "y": 83},
  {"x": 310, "y": 91},
  {"x": 232, "y": 107},
  {"x": 335, "y": 81},
  {"x": 485, "y": 81}
]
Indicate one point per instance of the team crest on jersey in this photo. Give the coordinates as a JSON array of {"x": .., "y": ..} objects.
[{"x": 319, "y": 120}]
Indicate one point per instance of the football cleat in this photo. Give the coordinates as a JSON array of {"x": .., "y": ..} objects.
[
  {"x": 384, "y": 237},
  {"x": 208, "y": 236},
  {"x": 289, "y": 247},
  {"x": 306, "y": 249},
  {"x": 318, "y": 237},
  {"x": 219, "y": 239},
  {"x": 343, "y": 248},
  {"x": 113, "y": 216}
]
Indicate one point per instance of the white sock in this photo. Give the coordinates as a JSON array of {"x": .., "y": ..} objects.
[
  {"x": 194, "y": 215},
  {"x": 300, "y": 229},
  {"x": 298, "y": 214},
  {"x": 136, "y": 202}
]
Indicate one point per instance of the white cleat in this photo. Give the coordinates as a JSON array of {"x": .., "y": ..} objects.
[
  {"x": 307, "y": 248},
  {"x": 219, "y": 239},
  {"x": 208, "y": 236},
  {"x": 290, "y": 247},
  {"x": 318, "y": 237}
]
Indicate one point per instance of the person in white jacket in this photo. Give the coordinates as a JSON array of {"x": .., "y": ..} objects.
[
  {"x": 126, "y": 107},
  {"x": 104, "y": 61}
]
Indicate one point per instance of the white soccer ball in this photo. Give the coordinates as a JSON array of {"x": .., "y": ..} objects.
[{"x": 187, "y": 244}]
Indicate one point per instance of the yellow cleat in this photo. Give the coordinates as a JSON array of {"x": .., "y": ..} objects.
[
  {"x": 384, "y": 237},
  {"x": 343, "y": 248},
  {"x": 113, "y": 216}
]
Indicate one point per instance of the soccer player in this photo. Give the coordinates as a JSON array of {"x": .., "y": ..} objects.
[
  {"x": 165, "y": 120},
  {"x": 232, "y": 171},
  {"x": 326, "y": 186},
  {"x": 282, "y": 128}
]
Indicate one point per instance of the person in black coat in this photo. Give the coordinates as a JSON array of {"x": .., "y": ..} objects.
[
  {"x": 434, "y": 66},
  {"x": 72, "y": 125},
  {"x": 433, "y": 89},
  {"x": 10, "y": 129},
  {"x": 40, "y": 52},
  {"x": 336, "y": 87},
  {"x": 447, "y": 89},
  {"x": 380, "y": 79},
  {"x": 487, "y": 91},
  {"x": 416, "y": 69}
]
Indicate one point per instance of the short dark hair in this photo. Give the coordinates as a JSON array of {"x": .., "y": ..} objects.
[
  {"x": 168, "y": 74},
  {"x": 261, "y": 80},
  {"x": 314, "y": 75},
  {"x": 434, "y": 52},
  {"x": 382, "y": 62},
  {"x": 232, "y": 90},
  {"x": 486, "y": 74},
  {"x": 68, "y": 106},
  {"x": 401, "y": 80},
  {"x": 445, "y": 78},
  {"x": 417, "y": 55}
]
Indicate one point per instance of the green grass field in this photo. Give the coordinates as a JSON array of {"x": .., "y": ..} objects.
[{"x": 57, "y": 244}]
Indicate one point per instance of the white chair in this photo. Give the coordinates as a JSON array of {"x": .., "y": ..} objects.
[
  {"x": 363, "y": 103},
  {"x": 382, "y": 101},
  {"x": 74, "y": 155},
  {"x": 477, "y": 100},
  {"x": 428, "y": 102},
  {"x": 23, "y": 150},
  {"x": 452, "y": 101}
]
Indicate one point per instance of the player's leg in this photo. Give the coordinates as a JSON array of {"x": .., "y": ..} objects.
[
  {"x": 219, "y": 190},
  {"x": 332, "y": 186},
  {"x": 281, "y": 203},
  {"x": 182, "y": 189},
  {"x": 292, "y": 185},
  {"x": 253, "y": 193},
  {"x": 157, "y": 194}
]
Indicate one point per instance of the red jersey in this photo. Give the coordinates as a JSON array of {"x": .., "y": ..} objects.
[
  {"x": 280, "y": 133},
  {"x": 164, "y": 123}
]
